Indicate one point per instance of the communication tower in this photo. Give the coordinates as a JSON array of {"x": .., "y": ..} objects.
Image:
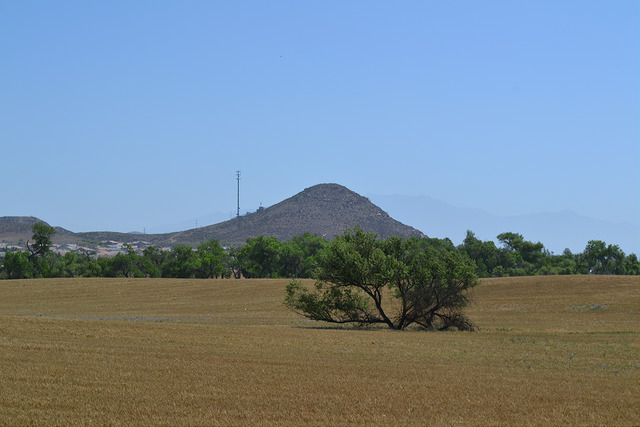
[{"x": 238, "y": 178}]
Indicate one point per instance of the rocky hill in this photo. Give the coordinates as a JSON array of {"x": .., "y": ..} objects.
[
  {"x": 324, "y": 209},
  {"x": 14, "y": 229}
]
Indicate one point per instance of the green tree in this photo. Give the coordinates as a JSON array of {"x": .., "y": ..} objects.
[
  {"x": 395, "y": 282},
  {"x": 91, "y": 267},
  {"x": 559, "y": 264},
  {"x": 211, "y": 256},
  {"x": 632, "y": 265},
  {"x": 154, "y": 255},
  {"x": 485, "y": 254},
  {"x": 615, "y": 260},
  {"x": 529, "y": 256},
  {"x": 299, "y": 257},
  {"x": 601, "y": 258},
  {"x": 595, "y": 254},
  {"x": 41, "y": 238},
  {"x": 122, "y": 264},
  {"x": 17, "y": 265},
  {"x": 260, "y": 257},
  {"x": 232, "y": 262},
  {"x": 152, "y": 260},
  {"x": 290, "y": 259},
  {"x": 68, "y": 265},
  {"x": 182, "y": 262}
]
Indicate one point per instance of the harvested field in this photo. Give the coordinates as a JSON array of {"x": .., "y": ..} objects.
[{"x": 550, "y": 351}]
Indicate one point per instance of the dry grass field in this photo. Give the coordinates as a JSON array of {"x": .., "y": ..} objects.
[{"x": 550, "y": 351}]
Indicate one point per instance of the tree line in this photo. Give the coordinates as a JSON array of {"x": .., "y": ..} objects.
[
  {"x": 519, "y": 257},
  {"x": 267, "y": 257},
  {"x": 260, "y": 257}
]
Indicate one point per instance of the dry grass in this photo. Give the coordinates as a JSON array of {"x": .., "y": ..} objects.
[{"x": 551, "y": 350}]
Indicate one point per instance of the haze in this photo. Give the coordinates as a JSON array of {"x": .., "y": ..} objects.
[{"x": 123, "y": 116}]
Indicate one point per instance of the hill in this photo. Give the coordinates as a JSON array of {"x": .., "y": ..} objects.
[
  {"x": 14, "y": 229},
  {"x": 324, "y": 209}
]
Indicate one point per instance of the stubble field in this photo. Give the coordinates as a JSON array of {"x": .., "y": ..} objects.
[{"x": 550, "y": 351}]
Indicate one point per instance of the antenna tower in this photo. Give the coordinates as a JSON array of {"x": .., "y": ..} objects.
[{"x": 238, "y": 178}]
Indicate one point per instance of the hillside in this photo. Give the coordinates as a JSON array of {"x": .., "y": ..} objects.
[
  {"x": 324, "y": 209},
  {"x": 14, "y": 229}
]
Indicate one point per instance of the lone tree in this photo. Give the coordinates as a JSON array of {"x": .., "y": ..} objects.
[
  {"x": 42, "y": 239},
  {"x": 365, "y": 281}
]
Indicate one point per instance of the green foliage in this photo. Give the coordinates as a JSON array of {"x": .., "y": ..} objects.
[
  {"x": 328, "y": 302},
  {"x": 485, "y": 254},
  {"x": 357, "y": 273},
  {"x": 528, "y": 256},
  {"x": 266, "y": 257},
  {"x": 232, "y": 263},
  {"x": 40, "y": 250},
  {"x": 519, "y": 257},
  {"x": 603, "y": 259},
  {"x": 260, "y": 257},
  {"x": 69, "y": 265},
  {"x": 492, "y": 261},
  {"x": 299, "y": 256},
  {"x": 182, "y": 262},
  {"x": 211, "y": 260},
  {"x": 17, "y": 266},
  {"x": 154, "y": 256},
  {"x": 307, "y": 256},
  {"x": 632, "y": 265},
  {"x": 42, "y": 238}
]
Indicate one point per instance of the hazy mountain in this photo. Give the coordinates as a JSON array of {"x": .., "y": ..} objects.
[{"x": 556, "y": 230}]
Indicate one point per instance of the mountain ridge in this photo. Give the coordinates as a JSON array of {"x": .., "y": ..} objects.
[
  {"x": 323, "y": 209},
  {"x": 327, "y": 209}
]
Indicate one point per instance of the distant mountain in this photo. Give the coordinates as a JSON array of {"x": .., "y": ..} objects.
[
  {"x": 16, "y": 228},
  {"x": 324, "y": 209},
  {"x": 556, "y": 230},
  {"x": 17, "y": 224}
]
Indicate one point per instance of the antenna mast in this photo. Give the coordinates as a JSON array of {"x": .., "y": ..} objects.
[{"x": 238, "y": 178}]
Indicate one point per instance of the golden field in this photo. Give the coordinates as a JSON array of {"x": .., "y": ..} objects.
[{"x": 550, "y": 351}]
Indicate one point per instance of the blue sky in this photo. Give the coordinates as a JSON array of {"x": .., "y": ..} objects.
[{"x": 124, "y": 115}]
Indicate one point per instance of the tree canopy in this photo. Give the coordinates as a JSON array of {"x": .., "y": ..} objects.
[
  {"x": 300, "y": 257},
  {"x": 395, "y": 282},
  {"x": 41, "y": 238}
]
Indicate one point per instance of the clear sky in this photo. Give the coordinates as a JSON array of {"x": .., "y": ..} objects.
[{"x": 123, "y": 115}]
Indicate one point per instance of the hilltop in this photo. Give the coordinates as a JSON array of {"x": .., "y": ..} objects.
[{"x": 324, "y": 209}]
